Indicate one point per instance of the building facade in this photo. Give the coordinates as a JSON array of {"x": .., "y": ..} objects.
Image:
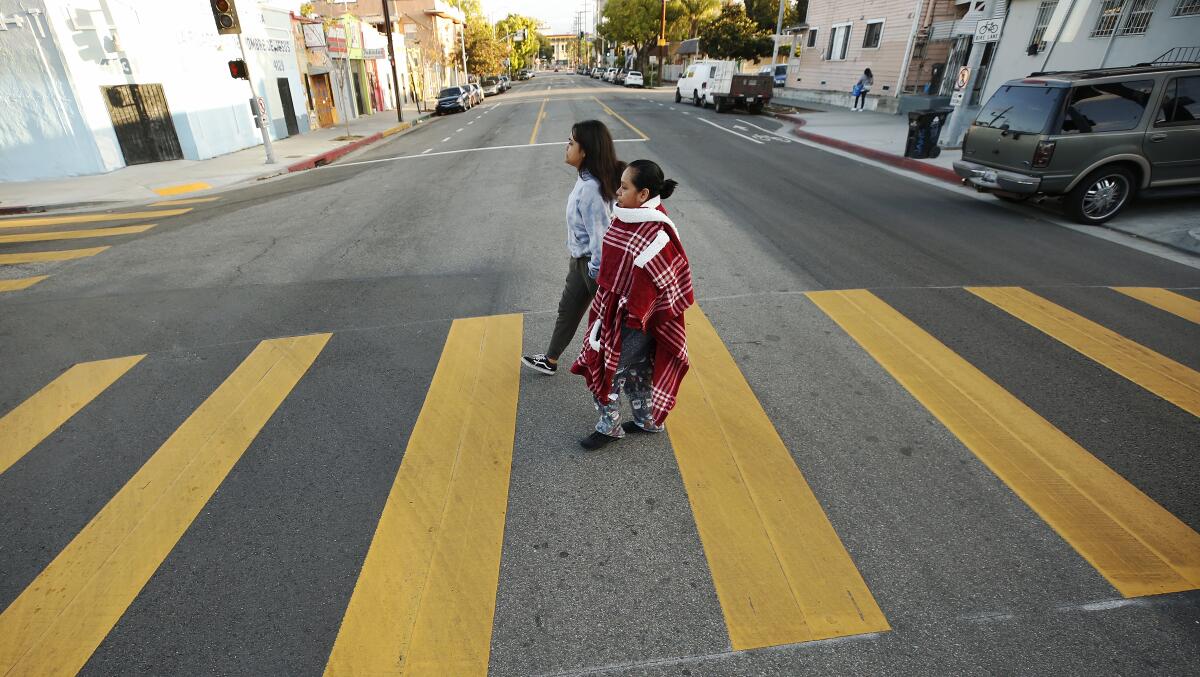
[
  {"x": 564, "y": 47},
  {"x": 88, "y": 90}
]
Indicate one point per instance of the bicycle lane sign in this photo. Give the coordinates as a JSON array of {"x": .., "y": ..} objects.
[{"x": 988, "y": 30}]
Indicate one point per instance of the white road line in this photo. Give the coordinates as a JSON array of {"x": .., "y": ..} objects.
[
  {"x": 723, "y": 129},
  {"x": 671, "y": 107},
  {"x": 686, "y": 113},
  {"x": 445, "y": 139},
  {"x": 464, "y": 150},
  {"x": 765, "y": 130},
  {"x": 471, "y": 122},
  {"x": 427, "y": 150},
  {"x": 458, "y": 130}
]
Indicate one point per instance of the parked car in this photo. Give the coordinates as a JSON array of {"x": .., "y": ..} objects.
[
  {"x": 452, "y": 99},
  {"x": 696, "y": 80},
  {"x": 610, "y": 74},
  {"x": 478, "y": 91},
  {"x": 1096, "y": 138},
  {"x": 619, "y": 78},
  {"x": 598, "y": 72},
  {"x": 778, "y": 72},
  {"x": 491, "y": 86},
  {"x": 634, "y": 79},
  {"x": 505, "y": 83}
]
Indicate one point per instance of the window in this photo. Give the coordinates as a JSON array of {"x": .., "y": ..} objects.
[
  {"x": 712, "y": 72},
  {"x": 812, "y": 36},
  {"x": 1181, "y": 103},
  {"x": 1037, "y": 41},
  {"x": 1137, "y": 19},
  {"x": 839, "y": 38},
  {"x": 1187, "y": 8},
  {"x": 1111, "y": 107},
  {"x": 1023, "y": 109},
  {"x": 873, "y": 34}
]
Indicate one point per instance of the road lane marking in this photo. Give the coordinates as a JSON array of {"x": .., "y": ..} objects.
[
  {"x": 57, "y": 622},
  {"x": 39, "y": 257},
  {"x": 426, "y": 596},
  {"x": 709, "y": 122},
  {"x": 617, "y": 116},
  {"x": 462, "y": 150},
  {"x": 21, "y": 283},
  {"x": 445, "y": 139},
  {"x": 1157, "y": 373},
  {"x": 459, "y": 129},
  {"x": 181, "y": 188},
  {"x": 470, "y": 123},
  {"x": 427, "y": 150},
  {"x": 185, "y": 201},
  {"x": 537, "y": 123},
  {"x": 1139, "y": 547},
  {"x": 33, "y": 420},
  {"x": 781, "y": 573},
  {"x": 89, "y": 218},
  {"x": 1163, "y": 299},
  {"x": 75, "y": 234}
]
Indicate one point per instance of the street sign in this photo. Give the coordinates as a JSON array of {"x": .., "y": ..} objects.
[
  {"x": 956, "y": 98},
  {"x": 988, "y": 30},
  {"x": 964, "y": 76}
]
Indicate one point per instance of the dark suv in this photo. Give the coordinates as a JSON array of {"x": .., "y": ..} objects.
[{"x": 1096, "y": 138}]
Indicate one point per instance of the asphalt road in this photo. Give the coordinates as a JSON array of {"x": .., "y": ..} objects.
[{"x": 603, "y": 566}]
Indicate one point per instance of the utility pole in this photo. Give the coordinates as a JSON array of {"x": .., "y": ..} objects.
[
  {"x": 260, "y": 106},
  {"x": 225, "y": 16},
  {"x": 662, "y": 45},
  {"x": 957, "y": 124},
  {"x": 387, "y": 20},
  {"x": 775, "y": 38}
]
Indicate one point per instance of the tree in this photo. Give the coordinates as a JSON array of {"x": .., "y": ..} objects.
[
  {"x": 523, "y": 52},
  {"x": 636, "y": 23},
  {"x": 765, "y": 13},
  {"x": 485, "y": 54},
  {"x": 734, "y": 35},
  {"x": 691, "y": 15}
]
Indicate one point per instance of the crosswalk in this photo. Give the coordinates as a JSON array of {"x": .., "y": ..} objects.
[
  {"x": 18, "y": 232},
  {"x": 424, "y": 599}
]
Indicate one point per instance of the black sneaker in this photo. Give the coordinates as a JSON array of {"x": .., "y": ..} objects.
[
  {"x": 635, "y": 429},
  {"x": 596, "y": 440},
  {"x": 540, "y": 363}
]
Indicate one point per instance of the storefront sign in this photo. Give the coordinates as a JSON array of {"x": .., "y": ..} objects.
[
  {"x": 314, "y": 35},
  {"x": 374, "y": 53},
  {"x": 335, "y": 37},
  {"x": 268, "y": 45}
]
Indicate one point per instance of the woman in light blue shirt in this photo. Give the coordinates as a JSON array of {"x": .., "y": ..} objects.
[{"x": 591, "y": 152}]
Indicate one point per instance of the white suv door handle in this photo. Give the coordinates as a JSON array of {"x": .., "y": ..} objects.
[{"x": 1158, "y": 137}]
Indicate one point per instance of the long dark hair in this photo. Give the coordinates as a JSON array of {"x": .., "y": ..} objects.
[
  {"x": 647, "y": 174},
  {"x": 867, "y": 72},
  {"x": 599, "y": 156}
]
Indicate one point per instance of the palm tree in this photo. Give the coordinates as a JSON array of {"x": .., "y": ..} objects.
[{"x": 692, "y": 13}]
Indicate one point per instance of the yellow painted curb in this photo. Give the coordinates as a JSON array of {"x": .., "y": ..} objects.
[{"x": 182, "y": 188}]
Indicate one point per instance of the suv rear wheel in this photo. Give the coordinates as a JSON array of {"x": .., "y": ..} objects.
[
  {"x": 695, "y": 98},
  {"x": 1100, "y": 195}
]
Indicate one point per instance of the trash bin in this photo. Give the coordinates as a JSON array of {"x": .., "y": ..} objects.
[{"x": 924, "y": 127}]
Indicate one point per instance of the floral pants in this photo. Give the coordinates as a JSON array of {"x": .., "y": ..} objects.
[{"x": 634, "y": 372}]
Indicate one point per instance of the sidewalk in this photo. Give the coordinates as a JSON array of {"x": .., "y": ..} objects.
[
  {"x": 189, "y": 178},
  {"x": 882, "y": 137}
]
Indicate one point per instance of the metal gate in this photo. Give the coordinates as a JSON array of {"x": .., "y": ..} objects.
[{"x": 142, "y": 122}]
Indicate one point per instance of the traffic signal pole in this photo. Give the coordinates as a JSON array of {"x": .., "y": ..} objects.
[
  {"x": 387, "y": 20},
  {"x": 259, "y": 105}
]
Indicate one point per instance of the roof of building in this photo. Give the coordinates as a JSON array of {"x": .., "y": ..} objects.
[{"x": 691, "y": 46}]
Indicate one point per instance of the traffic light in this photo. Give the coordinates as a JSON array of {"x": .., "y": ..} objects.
[
  {"x": 225, "y": 14},
  {"x": 237, "y": 70}
]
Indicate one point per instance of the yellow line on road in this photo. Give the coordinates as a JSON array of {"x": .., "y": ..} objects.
[
  {"x": 75, "y": 234},
  {"x": 1161, "y": 375},
  {"x": 30, "y": 422},
  {"x": 56, "y": 624},
  {"x": 25, "y": 222},
  {"x": 185, "y": 201},
  {"x": 1176, "y": 304},
  {"x": 182, "y": 188},
  {"x": 538, "y": 123},
  {"x": 21, "y": 283},
  {"x": 617, "y": 116},
  {"x": 781, "y": 573},
  {"x": 426, "y": 595},
  {"x": 39, "y": 257},
  {"x": 1132, "y": 541}
]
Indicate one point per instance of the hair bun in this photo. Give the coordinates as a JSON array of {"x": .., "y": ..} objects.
[{"x": 668, "y": 187}]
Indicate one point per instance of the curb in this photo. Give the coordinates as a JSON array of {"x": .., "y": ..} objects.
[
  {"x": 909, "y": 164},
  {"x": 331, "y": 155}
]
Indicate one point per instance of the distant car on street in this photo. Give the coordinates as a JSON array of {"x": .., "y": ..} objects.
[
  {"x": 778, "y": 72},
  {"x": 1096, "y": 138},
  {"x": 619, "y": 77},
  {"x": 491, "y": 86},
  {"x": 609, "y": 75},
  {"x": 597, "y": 72},
  {"x": 505, "y": 83},
  {"x": 453, "y": 99},
  {"x": 634, "y": 79}
]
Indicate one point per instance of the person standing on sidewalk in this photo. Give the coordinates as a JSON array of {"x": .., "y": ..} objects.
[
  {"x": 861, "y": 88},
  {"x": 591, "y": 152}
]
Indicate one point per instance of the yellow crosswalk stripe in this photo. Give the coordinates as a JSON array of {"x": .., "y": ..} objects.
[
  {"x": 1163, "y": 299},
  {"x": 21, "y": 283},
  {"x": 30, "y": 422},
  {"x": 41, "y": 257},
  {"x": 426, "y": 595},
  {"x": 1139, "y": 547},
  {"x": 781, "y": 573},
  {"x": 57, "y": 622},
  {"x": 74, "y": 234},
  {"x": 184, "y": 201},
  {"x": 25, "y": 222},
  {"x": 1161, "y": 375}
]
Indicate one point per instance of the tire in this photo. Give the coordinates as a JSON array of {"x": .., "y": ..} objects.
[
  {"x": 696, "y": 98},
  {"x": 678, "y": 97},
  {"x": 1100, "y": 196}
]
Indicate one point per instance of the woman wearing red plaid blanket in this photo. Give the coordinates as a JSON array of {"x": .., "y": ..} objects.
[{"x": 636, "y": 340}]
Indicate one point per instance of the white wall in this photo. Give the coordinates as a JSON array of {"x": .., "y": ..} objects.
[{"x": 1076, "y": 49}]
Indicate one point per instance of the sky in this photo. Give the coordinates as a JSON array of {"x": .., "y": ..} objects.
[{"x": 558, "y": 15}]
